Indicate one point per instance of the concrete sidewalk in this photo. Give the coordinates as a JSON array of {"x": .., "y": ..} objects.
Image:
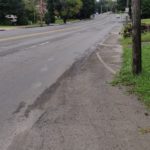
[{"x": 84, "y": 112}]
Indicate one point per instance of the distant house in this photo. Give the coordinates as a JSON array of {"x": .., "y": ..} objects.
[{"x": 12, "y": 18}]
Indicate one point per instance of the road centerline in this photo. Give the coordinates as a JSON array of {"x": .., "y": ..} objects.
[{"x": 37, "y": 34}]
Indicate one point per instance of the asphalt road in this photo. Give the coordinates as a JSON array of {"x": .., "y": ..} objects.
[{"x": 31, "y": 60}]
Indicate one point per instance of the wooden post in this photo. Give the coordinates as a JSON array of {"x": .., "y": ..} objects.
[{"x": 136, "y": 36}]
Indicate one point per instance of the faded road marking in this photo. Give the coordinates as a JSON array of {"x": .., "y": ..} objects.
[
  {"x": 50, "y": 59},
  {"x": 111, "y": 45},
  {"x": 44, "y": 69},
  {"x": 33, "y": 46},
  {"x": 37, "y": 85},
  {"x": 43, "y": 43},
  {"x": 36, "y": 34},
  {"x": 105, "y": 65}
]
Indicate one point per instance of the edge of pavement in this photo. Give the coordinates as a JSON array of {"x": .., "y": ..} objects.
[
  {"x": 30, "y": 114},
  {"x": 40, "y": 104},
  {"x": 44, "y": 25},
  {"x": 71, "y": 108},
  {"x": 99, "y": 49}
]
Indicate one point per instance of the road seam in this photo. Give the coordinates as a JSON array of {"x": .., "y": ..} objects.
[
  {"x": 110, "y": 45},
  {"x": 36, "y": 34},
  {"x": 43, "y": 43},
  {"x": 105, "y": 65},
  {"x": 43, "y": 33}
]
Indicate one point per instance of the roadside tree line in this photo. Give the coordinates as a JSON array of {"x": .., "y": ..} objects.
[
  {"x": 23, "y": 12},
  {"x": 33, "y": 11},
  {"x": 145, "y": 7}
]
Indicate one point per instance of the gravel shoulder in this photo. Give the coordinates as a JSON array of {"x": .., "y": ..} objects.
[{"x": 84, "y": 112}]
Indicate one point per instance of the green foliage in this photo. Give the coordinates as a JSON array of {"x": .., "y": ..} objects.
[
  {"x": 139, "y": 85},
  {"x": 146, "y": 21},
  {"x": 50, "y": 15},
  {"x": 31, "y": 10},
  {"x": 67, "y": 8},
  {"x": 28, "y": 12},
  {"x": 88, "y": 9},
  {"x": 145, "y": 27},
  {"x": 127, "y": 31},
  {"x": 15, "y": 7},
  {"x": 121, "y": 5},
  {"x": 146, "y": 37},
  {"x": 145, "y": 8},
  {"x": 106, "y": 5},
  {"x": 3, "y": 11}
]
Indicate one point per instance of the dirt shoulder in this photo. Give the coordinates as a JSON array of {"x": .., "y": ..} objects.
[{"x": 85, "y": 112}]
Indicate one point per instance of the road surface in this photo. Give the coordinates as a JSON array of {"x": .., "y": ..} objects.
[{"x": 31, "y": 60}]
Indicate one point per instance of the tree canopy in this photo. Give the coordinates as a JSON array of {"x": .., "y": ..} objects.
[
  {"x": 145, "y": 8},
  {"x": 67, "y": 8},
  {"x": 88, "y": 8},
  {"x": 31, "y": 11},
  {"x": 15, "y": 7}
]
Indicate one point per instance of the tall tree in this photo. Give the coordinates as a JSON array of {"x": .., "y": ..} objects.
[
  {"x": 88, "y": 9},
  {"x": 31, "y": 10},
  {"x": 68, "y": 8},
  {"x": 145, "y": 8},
  {"x": 4, "y": 7},
  {"x": 42, "y": 10},
  {"x": 14, "y": 7},
  {"x": 121, "y": 4},
  {"x": 50, "y": 15}
]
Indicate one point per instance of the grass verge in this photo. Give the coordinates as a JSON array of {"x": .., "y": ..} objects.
[
  {"x": 139, "y": 85},
  {"x": 146, "y": 21},
  {"x": 58, "y": 21},
  {"x": 3, "y": 27},
  {"x": 7, "y": 27}
]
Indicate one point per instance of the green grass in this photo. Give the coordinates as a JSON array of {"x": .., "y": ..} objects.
[
  {"x": 139, "y": 85},
  {"x": 7, "y": 27},
  {"x": 145, "y": 38},
  {"x": 60, "y": 21},
  {"x": 146, "y": 21}
]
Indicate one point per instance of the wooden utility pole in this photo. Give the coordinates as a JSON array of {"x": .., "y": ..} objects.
[{"x": 136, "y": 36}]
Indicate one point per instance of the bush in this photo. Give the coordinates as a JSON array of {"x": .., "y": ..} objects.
[
  {"x": 145, "y": 8},
  {"x": 127, "y": 31},
  {"x": 22, "y": 20},
  {"x": 5, "y": 22},
  {"x": 145, "y": 28}
]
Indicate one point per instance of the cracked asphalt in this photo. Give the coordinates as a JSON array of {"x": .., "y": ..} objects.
[
  {"x": 82, "y": 111},
  {"x": 32, "y": 60}
]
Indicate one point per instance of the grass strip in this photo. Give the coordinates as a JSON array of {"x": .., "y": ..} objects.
[
  {"x": 146, "y": 21},
  {"x": 139, "y": 85},
  {"x": 7, "y": 27}
]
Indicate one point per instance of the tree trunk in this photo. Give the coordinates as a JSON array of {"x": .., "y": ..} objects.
[
  {"x": 65, "y": 20},
  {"x": 136, "y": 36}
]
